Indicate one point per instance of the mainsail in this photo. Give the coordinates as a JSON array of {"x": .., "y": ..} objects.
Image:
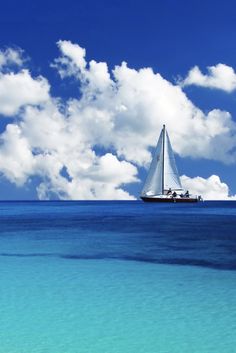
[{"x": 163, "y": 172}]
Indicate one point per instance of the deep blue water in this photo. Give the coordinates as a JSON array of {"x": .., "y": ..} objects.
[
  {"x": 117, "y": 277},
  {"x": 202, "y": 234}
]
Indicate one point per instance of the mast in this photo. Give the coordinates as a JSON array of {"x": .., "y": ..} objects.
[{"x": 163, "y": 157}]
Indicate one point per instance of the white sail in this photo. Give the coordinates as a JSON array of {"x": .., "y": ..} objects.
[
  {"x": 171, "y": 176},
  {"x": 154, "y": 181},
  {"x": 162, "y": 173}
]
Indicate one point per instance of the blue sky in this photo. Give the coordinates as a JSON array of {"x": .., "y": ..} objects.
[{"x": 171, "y": 37}]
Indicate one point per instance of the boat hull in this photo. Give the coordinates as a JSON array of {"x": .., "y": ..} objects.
[{"x": 169, "y": 199}]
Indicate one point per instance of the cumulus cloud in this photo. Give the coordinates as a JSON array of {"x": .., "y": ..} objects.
[
  {"x": 91, "y": 146},
  {"x": 101, "y": 180},
  {"x": 16, "y": 159},
  {"x": 11, "y": 57},
  {"x": 211, "y": 188},
  {"x": 67, "y": 162},
  {"x": 17, "y": 86},
  {"x": 133, "y": 105},
  {"x": 72, "y": 62},
  {"x": 220, "y": 76},
  {"x": 20, "y": 89}
]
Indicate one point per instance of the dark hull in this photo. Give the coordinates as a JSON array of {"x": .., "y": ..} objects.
[{"x": 162, "y": 199}]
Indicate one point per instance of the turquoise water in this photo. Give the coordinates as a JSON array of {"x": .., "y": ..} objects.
[{"x": 117, "y": 277}]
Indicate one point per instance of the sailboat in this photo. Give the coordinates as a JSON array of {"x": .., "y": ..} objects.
[{"x": 163, "y": 183}]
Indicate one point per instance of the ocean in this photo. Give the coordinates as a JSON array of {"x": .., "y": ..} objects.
[{"x": 117, "y": 277}]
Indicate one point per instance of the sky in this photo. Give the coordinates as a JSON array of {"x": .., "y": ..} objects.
[{"x": 86, "y": 86}]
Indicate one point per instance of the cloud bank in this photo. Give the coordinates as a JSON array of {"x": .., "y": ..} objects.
[
  {"x": 211, "y": 188},
  {"x": 220, "y": 76},
  {"x": 91, "y": 146}
]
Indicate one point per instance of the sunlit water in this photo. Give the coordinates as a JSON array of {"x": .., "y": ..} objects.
[{"x": 117, "y": 277}]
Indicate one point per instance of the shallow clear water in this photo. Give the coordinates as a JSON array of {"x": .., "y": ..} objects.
[{"x": 117, "y": 277}]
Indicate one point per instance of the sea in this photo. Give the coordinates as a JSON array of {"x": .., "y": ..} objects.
[{"x": 117, "y": 277}]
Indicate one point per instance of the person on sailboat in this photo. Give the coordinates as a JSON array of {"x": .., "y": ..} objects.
[
  {"x": 186, "y": 194},
  {"x": 169, "y": 192},
  {"x": 174, "y": 194}
]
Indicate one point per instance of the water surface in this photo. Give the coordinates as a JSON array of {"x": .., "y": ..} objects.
[{"x": 117, "y": 277}]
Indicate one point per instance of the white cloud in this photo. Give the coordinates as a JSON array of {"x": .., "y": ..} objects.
[
  {"x": 89, "y": 146},
  {"x": 10, "y": 57},
  {"x": 19, "y": 89},
  {"x": 220, "y": 76},
  {"x": 17, "y": 86},
  {"x": 16, "y": 159},
  {"x": 72, "y": 61},
  {"x": 58, "y": 143},
  {"x": 130, "y": 108},
  {"x": 211, "y": 188},
  {"x": 100, "y": 180}
]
